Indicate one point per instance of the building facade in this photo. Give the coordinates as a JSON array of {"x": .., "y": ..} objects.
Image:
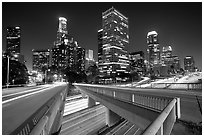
[
  {"x": 41, "y": 59},
  {"x": 66, "y": 54},
  {"x": 100, "y": 50},
  {"x": 89, "y": 60},
  {"x": 137, "y": 62},
  {"x": 189, "y": 64},
  {"x": 153, "y": 48},
  {"x": 13, "y": 44},
  {"x": 80, "y": 60},
  {"x": 115, "y": 39},
  {"x": 172, "y": 62},
  {"x": 13, "y": 40},
  {"x": 62, "y": 30}
]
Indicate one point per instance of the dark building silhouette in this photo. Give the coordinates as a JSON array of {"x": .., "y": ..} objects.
[
  {"x": 189, "y": 64},
  {"x": 13, "y": 40},
  {"x": 66, "y": 54},
  {"x": 80, "y": 59},
  {"x": 137, "y": 62}
]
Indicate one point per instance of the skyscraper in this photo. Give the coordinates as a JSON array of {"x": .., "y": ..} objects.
[
  {"x": 59, "y": 51},
  {"x": 189, "y": 64},
  {"x": 89, "y": 54},
  {"x": 166, "y": 55},
  {"x": 89, "y": 60},
  {"x": 115, "y": 39},
  {"x": 13, "y": 43},
  {"x": 41, "y": 59},
  {"x": 80, "y": 59},
  {"x": 62, "y": 30},
  {"x": 100, "y": 50},
  {"x": 13, "y": 40},
  {"x": 153, "y": 48}
]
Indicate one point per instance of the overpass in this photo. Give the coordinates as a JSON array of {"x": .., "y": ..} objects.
[
  {"x": 33, "y": 110},
  {"x": 153, "y": 113},
  {"x": 40, "y": 110}
]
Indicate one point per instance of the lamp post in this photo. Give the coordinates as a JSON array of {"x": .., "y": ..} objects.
[{"x": 7, "y": 84}]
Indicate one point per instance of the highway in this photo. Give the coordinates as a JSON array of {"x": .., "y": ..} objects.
[
  {"x": 80, "y": 120},
  {"x": 125, "y": 128},
  {"x": 83, "y": 122},
  {"x": 19, "y": 105},
  {"x": 73, "y": 106}
]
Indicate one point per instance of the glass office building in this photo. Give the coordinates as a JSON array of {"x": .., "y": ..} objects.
[{"x": 113, "y": 56}]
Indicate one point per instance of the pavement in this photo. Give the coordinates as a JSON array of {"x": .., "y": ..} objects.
[{"x": 16, "y": 108}]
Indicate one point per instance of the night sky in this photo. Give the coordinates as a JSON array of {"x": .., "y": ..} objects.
[{"x": 178, "y": 25}]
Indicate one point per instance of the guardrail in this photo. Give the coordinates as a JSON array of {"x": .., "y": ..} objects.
[
  {"x": 47, "y": 119},
  {"x": 169, "y": 111},
  {"x": 163, "y": 124},
  {"x": 187, "y": 86}
]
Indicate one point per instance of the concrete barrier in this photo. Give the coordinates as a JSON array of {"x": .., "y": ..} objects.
[
  {"x": 137, "y": 107},
  {"x": 164, "y": 123}
]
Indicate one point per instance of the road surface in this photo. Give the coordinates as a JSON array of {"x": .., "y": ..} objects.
[
  {"x": 18, "y": 106},
  {"x": 86, "y": 121}
]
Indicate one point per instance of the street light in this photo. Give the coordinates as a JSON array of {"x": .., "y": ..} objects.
[{"x": 7, "y": 84}]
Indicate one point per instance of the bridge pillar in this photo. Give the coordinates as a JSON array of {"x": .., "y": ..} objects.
[
  {"x": 83, "y": 95},
  {"x": 91, "y": 102},
  {"x": 111, "y": 117}
]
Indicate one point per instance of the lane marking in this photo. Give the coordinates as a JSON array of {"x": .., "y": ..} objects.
[
  {"x": 81, "y": 121},
  {"x": 136, "y": 131},
  {"x": 97, "y": 109},
  {"x": 23, "y": 92},
  {"x": 119, "y": 128},
  {"x": 128, "y": 129},
  {"x": 15, "y": 98}
]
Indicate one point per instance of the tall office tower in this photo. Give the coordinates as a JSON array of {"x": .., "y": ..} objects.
[
  {"x": 89, "y": 60},
  {"x": 166, "y": 55},
  {"x": 80, "y": 59},
  {"x": 100, "y": 50},
  {"x": 59, "y": 58},
  {"x": 114, "y": 44},
  {"x": 62, "y": 30},
  {"x": 41, "y": 59},
  {"x": 189, "y": 64},
  {"x": 153, "y": 48},
  {"x": 176, "y": 63},
  {"x": 59, "y": 51},
  {"x": 89, "y": 54},
  {"x": 13, "y": 43},
  {"x": 13, "y": 40}
]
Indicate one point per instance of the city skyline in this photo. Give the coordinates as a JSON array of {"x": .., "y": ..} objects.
[{"x": 178, "y": 25}]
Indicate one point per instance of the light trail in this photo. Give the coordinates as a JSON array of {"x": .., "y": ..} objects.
[{"x": 25, "y": 95}]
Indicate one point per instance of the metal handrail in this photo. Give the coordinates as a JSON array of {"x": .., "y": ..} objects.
[{"x": 158, "y": 122}]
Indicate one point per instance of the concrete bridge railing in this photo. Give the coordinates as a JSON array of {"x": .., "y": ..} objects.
[
  {"x": 161, "y": 109},
  {"x": 47, "y": 120},
  {"x": 185, "y": 86}
]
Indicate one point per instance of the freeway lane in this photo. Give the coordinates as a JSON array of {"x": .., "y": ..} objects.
[
  {"x": 16, "y": 90},
  {"x": 15, "y": 112},
  {"x": 19, "y": 92},
  {"x": 84, "y": 121}
]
